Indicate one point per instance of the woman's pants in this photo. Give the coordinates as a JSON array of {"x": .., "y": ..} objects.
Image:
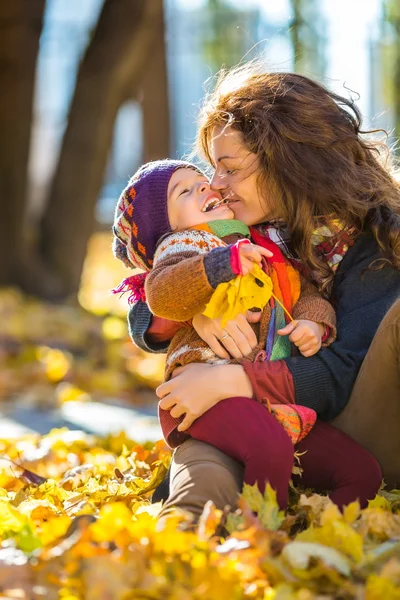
[{"x": 200, "y": 472}]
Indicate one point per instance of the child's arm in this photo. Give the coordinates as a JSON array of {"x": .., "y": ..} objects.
[
  {"x": 188, "y": 266},
  {"x": 178, "y": 287},
  {"x": 315, "y": 321}
]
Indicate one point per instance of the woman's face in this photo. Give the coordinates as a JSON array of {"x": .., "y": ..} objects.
[{"x": 236, "y": 174}]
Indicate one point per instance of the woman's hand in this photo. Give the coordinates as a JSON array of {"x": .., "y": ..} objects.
[
  {"x": 237, "y": 337},
  {"x": 195, "y": 388}
]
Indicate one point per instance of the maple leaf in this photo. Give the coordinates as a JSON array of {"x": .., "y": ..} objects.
[{"x": 265, "y": 506}]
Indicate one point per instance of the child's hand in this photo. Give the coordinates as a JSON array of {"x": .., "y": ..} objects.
[
  {"x": 306, "y": 335},
  {"x": 250, "y": 254}
]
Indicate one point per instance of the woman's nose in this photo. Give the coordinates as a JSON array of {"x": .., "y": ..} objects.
[{"x": 217, "y": 182}]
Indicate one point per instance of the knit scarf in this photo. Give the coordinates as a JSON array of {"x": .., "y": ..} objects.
[{"x": 330, "y": 241}]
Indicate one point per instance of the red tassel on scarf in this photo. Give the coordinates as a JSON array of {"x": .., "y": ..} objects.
[{"x": 134, "y": 285}]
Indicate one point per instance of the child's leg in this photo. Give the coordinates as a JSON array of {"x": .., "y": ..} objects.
[
  {"x": 246, "y": 431},
  {"x": 335, "y": 462}
]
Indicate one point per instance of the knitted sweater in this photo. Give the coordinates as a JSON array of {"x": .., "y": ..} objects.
[{"x": 188, "y": 266}]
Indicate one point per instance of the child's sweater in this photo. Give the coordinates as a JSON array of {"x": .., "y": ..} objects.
[{"x": 188, "y": 266}]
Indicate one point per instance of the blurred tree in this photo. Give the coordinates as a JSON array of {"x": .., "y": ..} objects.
[
  {"x": 127, "y": 43},
  {"x": 21, "y": 24},
  {"x": 154, "y": 97},
  {"x": 125, "y": 59},
  {"x": 390, "y": 30},
  {"x": 228, "y": 35},
  {"x": 308, "y": 40}
]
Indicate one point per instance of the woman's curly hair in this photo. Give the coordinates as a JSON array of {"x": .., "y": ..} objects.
[{"x": 313, "y": 156}]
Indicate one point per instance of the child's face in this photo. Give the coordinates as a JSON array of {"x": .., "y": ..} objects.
[{"x": 192, "y": 202}]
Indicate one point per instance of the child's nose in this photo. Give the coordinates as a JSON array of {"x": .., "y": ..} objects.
[{"x": 204, "y": 187}]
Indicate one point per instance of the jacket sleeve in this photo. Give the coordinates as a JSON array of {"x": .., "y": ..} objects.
[
  {"x": 179, "y": 287},
  {"x": 140, "y": 321},
  {"x": 313, "y": 307}
]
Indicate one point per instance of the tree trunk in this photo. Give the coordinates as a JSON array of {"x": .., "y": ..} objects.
[
  {"x": 155, "y": 103},
  {"x": 308, "y": 39},
  {"x": 113, "y": 65},
  {"x": 20, "y": 28},
  {"x": 296, "y": 25},
  {"x": 396, "y": 80}
]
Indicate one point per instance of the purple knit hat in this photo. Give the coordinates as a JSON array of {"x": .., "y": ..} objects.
[{"x": 141, "y": 216}]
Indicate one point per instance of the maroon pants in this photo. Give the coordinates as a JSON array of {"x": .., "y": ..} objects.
[{"x": 246, "y": 431}]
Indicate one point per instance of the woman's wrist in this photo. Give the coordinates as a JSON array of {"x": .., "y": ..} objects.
[{"x": 232, "y": 381}]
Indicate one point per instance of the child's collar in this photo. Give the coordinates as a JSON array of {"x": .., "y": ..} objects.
[{"x": 224, "y": 227}]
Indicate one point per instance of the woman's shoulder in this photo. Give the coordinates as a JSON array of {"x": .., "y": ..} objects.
[
  {"x": 365, "y": 249},
  {"x": 364, "y": 270}
]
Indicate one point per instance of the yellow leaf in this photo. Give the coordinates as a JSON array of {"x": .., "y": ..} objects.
[
  {"x": 113, "y": 518},
  {"x": 336, "y": 533},
  {"x": 380, "y": 588},
  {"x": 380, "y": 502},
  {"x": 37, "y": 510},
  {"x": 10, "y": 519},
  {"x": 67, "y": 392},
  {"x": 380, "y": 524},
  {"x": 351, "y": 512},
  {"x": 299, "y": 555},
  {"x": 53, "y": 529},
  {"x": 239, "y": 295},
  {"x": 266, "y": 506}
]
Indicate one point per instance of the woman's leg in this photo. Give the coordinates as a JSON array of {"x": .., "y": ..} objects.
[
  {"x": 200, "y": 472},
  {"x": 245, "y": 430},
  {"x": 335, "y": 462},
  {"x": 372, "y": 415},
  {"x": 236, "y": 432}
]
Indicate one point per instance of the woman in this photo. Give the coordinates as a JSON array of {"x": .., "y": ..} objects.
[{"x": 285, "y": 149}]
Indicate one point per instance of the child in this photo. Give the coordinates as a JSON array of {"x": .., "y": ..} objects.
[{"x": 169, "y": 223}]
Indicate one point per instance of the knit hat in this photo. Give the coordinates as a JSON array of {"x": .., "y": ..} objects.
[{"x": 141, "y": 216}]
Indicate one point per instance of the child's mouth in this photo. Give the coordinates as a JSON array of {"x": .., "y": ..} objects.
[{"x": 212, "y": 203}]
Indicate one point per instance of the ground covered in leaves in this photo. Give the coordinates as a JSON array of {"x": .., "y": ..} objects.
[
  {"x": 76, "y": 522},
  {"x": 60, "y": 353}
]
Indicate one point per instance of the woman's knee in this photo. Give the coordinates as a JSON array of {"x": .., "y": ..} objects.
[
  {"x": 200, "y": 472},
  {"x": 393, "y": 314},
  {"x": 390, "y": 324}
]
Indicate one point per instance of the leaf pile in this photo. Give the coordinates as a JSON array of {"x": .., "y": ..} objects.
[
  {"x": 63, "y": 352},
  {"x": 76, "y": 523}
]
